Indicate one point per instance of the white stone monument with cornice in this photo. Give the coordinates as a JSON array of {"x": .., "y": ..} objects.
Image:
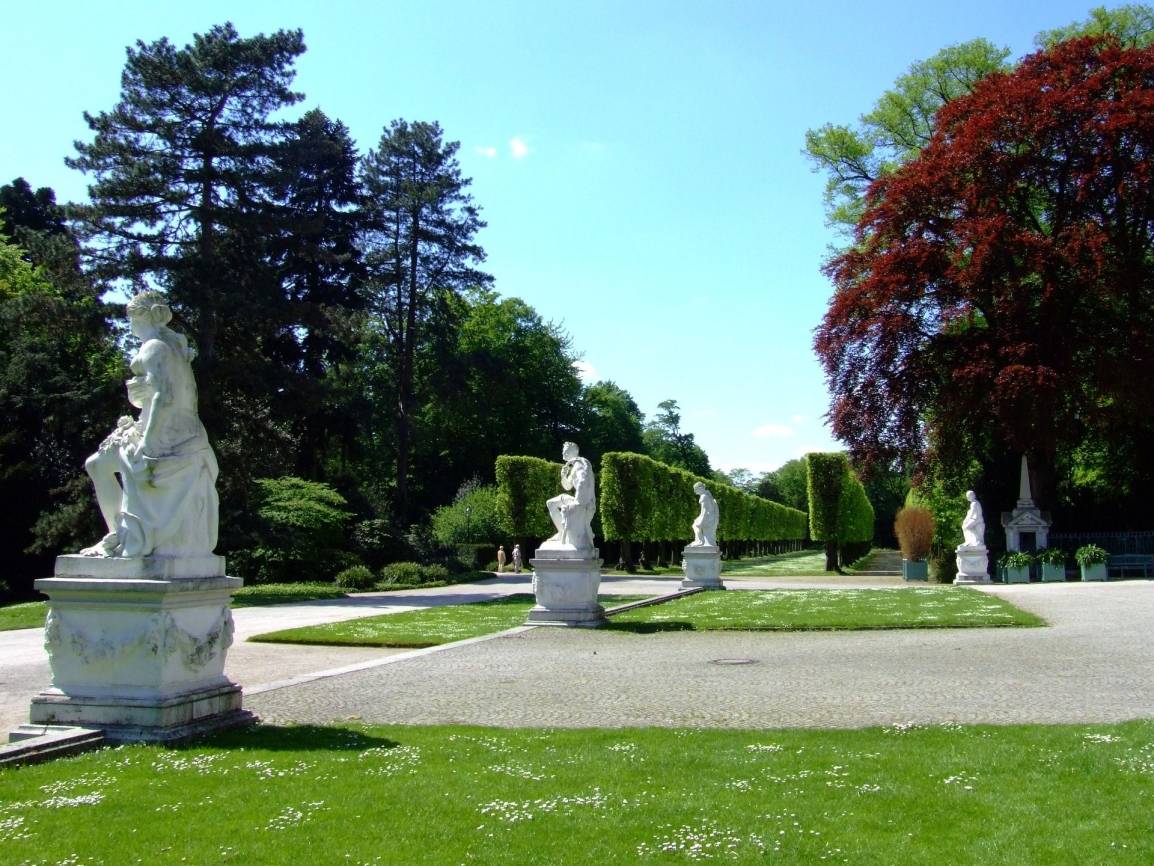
[
  {"x": 139, "y": 623},
  {"x": 701, "y": 558},
  {"x": 567, "y": 567},
  {"x": 973, "y": 558},
  {"x": 1027, "y": 526}
]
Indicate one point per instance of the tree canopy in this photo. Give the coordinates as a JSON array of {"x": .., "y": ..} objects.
[{"x": 1001, "y": 290}]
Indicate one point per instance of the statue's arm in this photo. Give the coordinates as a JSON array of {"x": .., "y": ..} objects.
[{"x": 153, "y": 360}]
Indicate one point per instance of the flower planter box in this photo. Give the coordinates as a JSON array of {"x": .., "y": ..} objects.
[
  {"x": 1097, "y": 571},
  {"x": 1016, "y": 575},
  {"x": 915, "y": 569},
  {"x": 1053, "y": 573}
]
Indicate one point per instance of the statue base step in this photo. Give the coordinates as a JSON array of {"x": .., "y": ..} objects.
[
  {"x": 140, "y": 567},
  {"x": 566, "y": 592},
  {"x": 702, "y": 567},
  {"x": 125, "y": 719}
]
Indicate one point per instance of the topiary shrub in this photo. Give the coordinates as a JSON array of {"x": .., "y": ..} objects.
[
  {"x": 358, "y": 577},
  {"x": 914, "y": 528}
]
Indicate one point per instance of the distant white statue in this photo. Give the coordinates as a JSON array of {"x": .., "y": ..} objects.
[
  {"x": 705, "y": 526},
  {"x": 974, "y": 523},
  {"x": 573, "y": 515},
  {"x": 155, "y": 476}
]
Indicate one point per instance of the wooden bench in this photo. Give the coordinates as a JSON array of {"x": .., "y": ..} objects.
[{"x": 1133, "y": 563}]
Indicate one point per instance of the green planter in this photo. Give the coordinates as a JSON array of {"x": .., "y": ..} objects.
[
  {"x": 1052, "y": 573},
  {"x": 1097, "y": 571},
  {"x": 1016, "y": 575},
  {"x": 915, "y": 569}
]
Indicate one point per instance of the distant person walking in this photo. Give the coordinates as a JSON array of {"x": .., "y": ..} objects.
[
  {"x": 516, "y": 559},
  {"x": 500, "y": 558}
]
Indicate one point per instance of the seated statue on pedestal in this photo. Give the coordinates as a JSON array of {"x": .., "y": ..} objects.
[
  {"x": 573, "y": 515},
  {"x": 155, "y": 476},
  {"x": 705, "y": 526}
]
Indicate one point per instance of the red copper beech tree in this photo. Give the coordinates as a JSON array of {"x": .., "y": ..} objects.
[{"x": 1000, "y": 293}]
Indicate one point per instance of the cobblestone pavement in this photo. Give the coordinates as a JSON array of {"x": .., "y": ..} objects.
[{"x": 1095, "y": 663}]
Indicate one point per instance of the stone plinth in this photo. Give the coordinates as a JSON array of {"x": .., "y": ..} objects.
[
  {"x": 140, "y": 658},
  {"x": 565, "y": 584},
  {"x": 702, "y": 567},
  {"x": 973, "y": 564}
]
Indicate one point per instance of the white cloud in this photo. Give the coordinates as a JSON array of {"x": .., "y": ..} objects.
[
  {"x": 487, "y": 152},
  {"x": 518, "y": 149},
  {"x": 586, "y": 371},
  {"x": 797, "y": 419},
  {"x": 773, "y": 431}
]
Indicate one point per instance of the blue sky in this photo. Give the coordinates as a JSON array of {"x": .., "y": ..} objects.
[{"x": 639, "y": 163}]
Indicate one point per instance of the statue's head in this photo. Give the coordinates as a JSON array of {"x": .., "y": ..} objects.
[
  {"x": 699, "y": 488},
  {"x": 970, "y": 495},
  {"x": 150, "y": 306},
  {"x": 569, "y": 451}
]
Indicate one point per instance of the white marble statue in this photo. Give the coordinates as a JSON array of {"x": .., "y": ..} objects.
[
  {"x": 705, "y": 526},
  {"x": 155, "y": 476},
  {"x": 573, "y": 514},
  {"x": 974, "y": 523}
]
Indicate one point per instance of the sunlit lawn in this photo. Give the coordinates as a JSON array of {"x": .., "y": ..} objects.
[
  {"x": 29, "y": 614},
  {"x": 426, "y": 627},
  {"x": 799, "y": 563},
  {"x": 905, "y": 795},
  {"x": 780, "y": 609}
]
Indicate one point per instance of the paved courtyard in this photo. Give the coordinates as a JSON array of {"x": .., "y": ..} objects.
[{"x": 1094, "y": 663}]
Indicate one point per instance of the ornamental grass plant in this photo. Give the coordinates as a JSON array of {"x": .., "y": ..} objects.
[{"x": 914, "y": 528}]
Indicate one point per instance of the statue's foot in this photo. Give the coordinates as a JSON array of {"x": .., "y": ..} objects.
[{"x": 107, "y": 546}]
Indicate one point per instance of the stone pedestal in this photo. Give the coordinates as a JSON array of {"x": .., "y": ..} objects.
[
  {"x": 702, "y": 567},
  {"x": 565, "y": 584},
  {"x": 973, "y": 564},
  {"x": 137, "y": 647}
]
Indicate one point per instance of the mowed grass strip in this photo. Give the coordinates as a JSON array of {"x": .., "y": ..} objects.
[
  {"x": 798, "y": 563},
  {"x": 966, "y": 796},
  {"x": 812, "y": 609},
  {"x": 29, "y": 614},
  {"x": 430, "y": 626}
]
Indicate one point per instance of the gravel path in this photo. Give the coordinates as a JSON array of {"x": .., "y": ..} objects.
[{"x": 1095, "y": 663}]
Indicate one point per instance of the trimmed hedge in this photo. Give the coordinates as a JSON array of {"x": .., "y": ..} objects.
[
  {"x": 643, "y": 500},
  {"x": 523, "y": 486},
  {"x": 840, "y": 513}
]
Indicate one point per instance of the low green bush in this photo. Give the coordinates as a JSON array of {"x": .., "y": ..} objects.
[
  {"x": 1016, "y": 559},
  {"x": 402, "y": 573},
  {"x": 357, "y": 577},
  {"x": 1051, "y": 556}
]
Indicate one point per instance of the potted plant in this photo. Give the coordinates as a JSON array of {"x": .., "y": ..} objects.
[
  {"x": 1015, "y": 566},
  {"x": 914, "y": 528},
  {"x": 1053, "y": 560},
  {"x": 1092, "y": 561}
]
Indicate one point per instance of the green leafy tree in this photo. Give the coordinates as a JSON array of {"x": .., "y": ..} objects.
[
  {"x": 419, "y": 243},
  {"x": 475, "y": 516},
  {"x": 786, "y": 484},
  {"x": 61, "y": 381},
  {"x": 666, "y": 443},
  {"x": 611, "y": 421},
  {"x": 1132, "y": 25},
  {"x": 180, "y": 195}
]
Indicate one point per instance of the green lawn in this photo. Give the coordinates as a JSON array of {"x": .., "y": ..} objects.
[
  {"x": 426, "y": 627},
  {"x": 799, "y": 563},
  {"x": 1013, "y": 795},
  {"x": 780, "y": 609},
  {"x": 29, "y": 614}
]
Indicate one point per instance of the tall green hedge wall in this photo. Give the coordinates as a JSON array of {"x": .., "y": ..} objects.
[
  {"x": 643, "y": 500},
  {"x": 839, "y": 510},
  {"x": 523, "y": 486}
]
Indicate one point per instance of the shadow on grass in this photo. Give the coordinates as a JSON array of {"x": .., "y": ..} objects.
[{"x": 291, "y": 738}]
